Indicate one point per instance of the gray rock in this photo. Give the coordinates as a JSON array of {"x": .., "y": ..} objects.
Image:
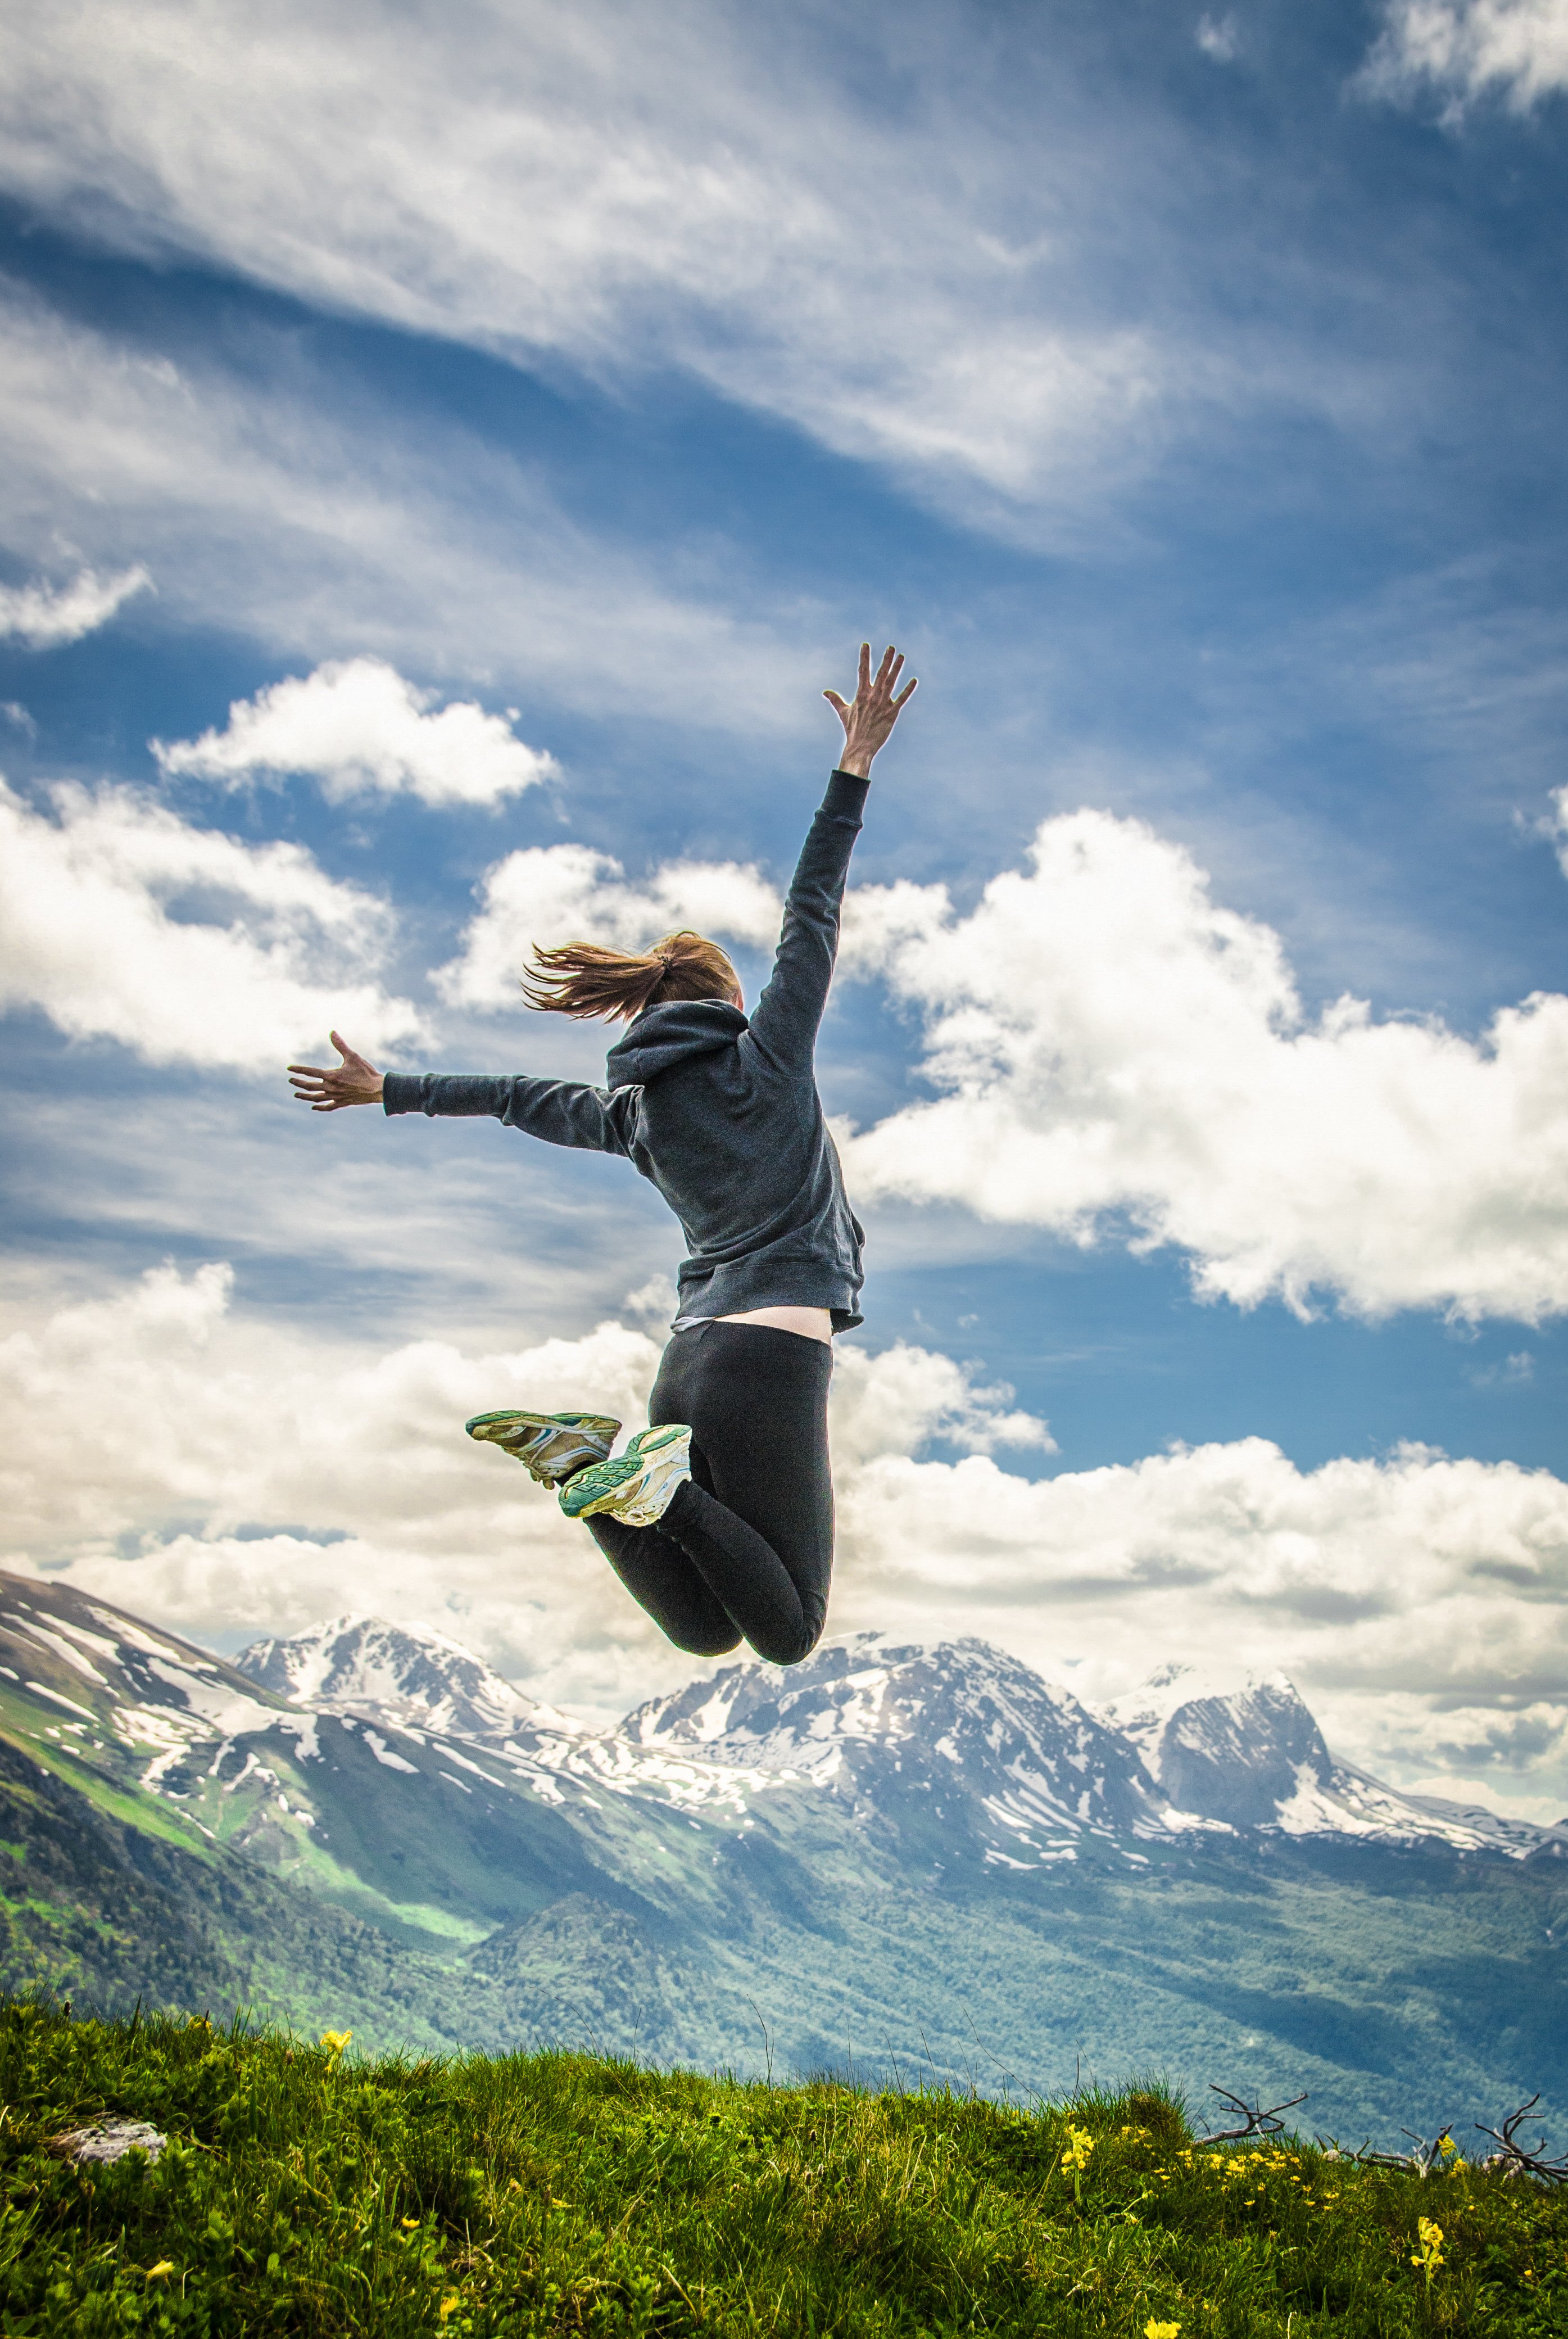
[{"x": 108, "y": 2140}]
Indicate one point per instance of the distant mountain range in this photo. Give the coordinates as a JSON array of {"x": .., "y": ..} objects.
[{"x": 921, "y": 1858}]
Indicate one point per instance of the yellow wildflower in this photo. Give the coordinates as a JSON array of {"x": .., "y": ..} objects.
[
  {"x": 449, "y": 2306},
  {"x": 1429, "y": 2256},
  {"x": 1162, "y": 2331},
  {"x": 162, "y": 2271},
  {"x": 335, "y": 2041},
  {"x": 1080, "y": 2144}
]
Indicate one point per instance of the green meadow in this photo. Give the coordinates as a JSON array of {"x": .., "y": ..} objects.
[{"x": 304, "y": 2189}]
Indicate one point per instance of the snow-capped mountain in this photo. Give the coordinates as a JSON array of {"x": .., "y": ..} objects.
[
  {"x": 101, "y": 1678},
  {"x": 1232, "y": 1753},
  {"x": 962, "y": 1752},
  {"x": 1248, "y": 1751},
  {"x": 406, "y": 1673},
  {"x": 989, "y": 1756}
]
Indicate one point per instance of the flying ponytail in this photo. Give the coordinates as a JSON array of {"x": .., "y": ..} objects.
[{"x": 584, "y": 979}]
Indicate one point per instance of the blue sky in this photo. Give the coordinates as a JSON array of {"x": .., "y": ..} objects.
[{"x": 1183, "y": 391}]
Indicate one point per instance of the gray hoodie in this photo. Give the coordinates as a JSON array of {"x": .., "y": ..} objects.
[{"x": 722, "y": 1115}]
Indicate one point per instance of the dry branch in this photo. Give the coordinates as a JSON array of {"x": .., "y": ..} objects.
[{"x": 1258, "y": 2122}]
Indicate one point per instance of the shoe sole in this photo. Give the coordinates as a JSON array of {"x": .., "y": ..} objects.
[
  {"x": 550, "y": 1450},
  {"x": 595, "y": 1488},
  {"x": 502, "y": 1428}
]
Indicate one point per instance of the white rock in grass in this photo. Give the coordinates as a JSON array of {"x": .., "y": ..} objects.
[{"x": 108, "y": 2140}]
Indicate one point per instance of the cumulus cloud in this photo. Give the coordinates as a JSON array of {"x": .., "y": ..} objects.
[
  {"x": 262, "y": 1478},
  {"x": 360, "y": 728},
  {"x": 1465, "y": 49},
  {"x": 121, "y": 922},
  {"x": 1112, "y": 1048},
  {"x": 325, "y": 1477},
  {"x": 43, "y": 616},
  {"x": 564, "y": 893},
  {"x": 1420, "y": 1600}
]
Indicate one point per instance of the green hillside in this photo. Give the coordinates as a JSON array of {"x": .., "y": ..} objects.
[{"x": 302, "y": 2190}]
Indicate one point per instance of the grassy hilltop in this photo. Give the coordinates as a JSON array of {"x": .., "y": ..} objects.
[{"x": 302, "y": 2190}]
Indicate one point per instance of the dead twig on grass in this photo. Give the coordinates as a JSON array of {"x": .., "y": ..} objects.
[
  {"x": 1257, "y": 2121},
  {"x": 1511, "y": 2155}
]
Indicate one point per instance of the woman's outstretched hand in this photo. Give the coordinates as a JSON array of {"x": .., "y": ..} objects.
[
  {"x": 868, "y": 719},
  {"x": 353, "y": 1081}
]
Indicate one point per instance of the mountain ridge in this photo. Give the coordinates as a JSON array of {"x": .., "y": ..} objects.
[{"x": 896, "y": 1851}]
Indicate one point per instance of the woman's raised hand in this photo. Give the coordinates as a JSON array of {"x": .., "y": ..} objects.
[
  {"x": 353, "y": 1081},
  {"x": 869, "y": 718}
]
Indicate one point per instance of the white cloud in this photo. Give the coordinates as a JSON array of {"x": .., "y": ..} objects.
[
  {"x": 568, "y": 892},
  {"x": 896, "y": 1401},
  {"x": 200, "y": 1416},
  {"x": 1111, "y": 1046},
  {"x": 43, "y": 616},
  {"x": 1218, "y": 37},
  {"x": 923, "y": 283},
  {"x": 1421, "y": 1601},
  {"x": 121, "y": 922},
  {"x": 359, "y": 727},
  {"x": 280, "y": 503},
  {"x": 1468, "y": 49}
]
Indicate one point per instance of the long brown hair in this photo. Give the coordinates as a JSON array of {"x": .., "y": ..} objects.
[{"x": 584, "y": 979}]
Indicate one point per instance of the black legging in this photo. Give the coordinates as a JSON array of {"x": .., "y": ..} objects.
[{"x": 745, "y": 1547}]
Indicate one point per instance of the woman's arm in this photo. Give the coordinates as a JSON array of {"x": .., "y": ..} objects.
[
  {"x": 784, "y": 1026},
  {"x": 561, "y": 1112}
]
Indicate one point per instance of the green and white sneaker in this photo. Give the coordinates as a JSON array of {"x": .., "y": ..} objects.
[
  {"x": 638, "y": 1486},
  {"x": 550, "y": 1445}
]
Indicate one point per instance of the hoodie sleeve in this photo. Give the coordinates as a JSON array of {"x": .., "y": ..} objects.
[
  {"x": 561, "y": 1112},
  {"x": 784, "y": 1026}
]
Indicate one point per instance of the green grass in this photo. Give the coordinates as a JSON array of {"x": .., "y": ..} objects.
[{"x": 305, "y": 2191}]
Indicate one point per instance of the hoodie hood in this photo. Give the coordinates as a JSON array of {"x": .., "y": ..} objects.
[{"x": 669, "y": 1034}]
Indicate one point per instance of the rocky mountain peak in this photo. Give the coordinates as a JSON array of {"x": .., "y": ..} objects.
[
  {"x": 955, "y": 1729},
  {"x": 408, "y": 1672},
  {"x": 1234, "y": 1748}
]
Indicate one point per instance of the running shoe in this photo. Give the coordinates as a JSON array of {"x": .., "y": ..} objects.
[
  {"x": 550, "y": 1445},
  {"x": 638, "y": 1486}
]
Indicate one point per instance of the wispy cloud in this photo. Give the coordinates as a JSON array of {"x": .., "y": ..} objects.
[
  {"x": 1107, "y": 1040},
  {"x": 1463, "y": 49},
  {"x": 1218, "y": 37},
  {"x": 360, "y": 728},
  {"x": 931, "y": 284},
  {"x": 327, "y": 530},
  {"x": 121, "y": 922},
  {"x": 45, "y": 616}
]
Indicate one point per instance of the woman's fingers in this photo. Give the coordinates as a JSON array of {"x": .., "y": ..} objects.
[
  {"x": 907, "y": 692},
  {"x": 839, "y": 705}
]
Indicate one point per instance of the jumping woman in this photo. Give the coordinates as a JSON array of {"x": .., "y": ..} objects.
[{"x": 718, "y": 1518}]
